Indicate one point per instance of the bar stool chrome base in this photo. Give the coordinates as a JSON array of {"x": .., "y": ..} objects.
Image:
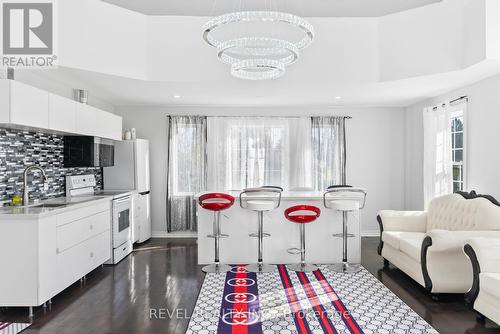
[
  {"x": 260, "y": 268},
  {"x": 345, "y": 268},
  {"x": 216, "y": 268},
  {"x": 302, "y": 267}
]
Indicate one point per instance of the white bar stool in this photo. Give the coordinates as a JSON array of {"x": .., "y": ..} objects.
[
  {"x": 260, "y": 200},
  {"x": 344, "y": 199}
]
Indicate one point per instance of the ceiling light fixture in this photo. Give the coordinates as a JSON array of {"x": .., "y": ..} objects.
[
  {"x": 258, "y": 57},
  {"x": 177, "y": 96}
]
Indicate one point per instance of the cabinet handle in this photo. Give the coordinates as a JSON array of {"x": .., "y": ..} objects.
[
  {"x": 91, "y": 254},
  {"x": 124, "y": 248},
  {"x": 91, "y": 227}
]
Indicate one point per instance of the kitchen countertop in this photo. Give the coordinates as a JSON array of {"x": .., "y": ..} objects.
[{"x": 35, "y": 210}]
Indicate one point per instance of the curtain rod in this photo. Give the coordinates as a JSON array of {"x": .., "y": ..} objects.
[
  {"x": 465, "y": 97},
  {"x": 346, "y": 117}
]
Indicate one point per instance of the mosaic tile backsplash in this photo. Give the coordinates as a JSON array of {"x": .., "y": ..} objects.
[{"x": 19, "y": 149}]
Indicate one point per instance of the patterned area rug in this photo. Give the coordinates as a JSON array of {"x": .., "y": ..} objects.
[
  {"x": 287, "y": 302},
  {"x": 12, "y": 327}
]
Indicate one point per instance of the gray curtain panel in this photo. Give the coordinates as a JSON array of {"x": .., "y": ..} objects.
[
  {"x": 186, "y": 170},
  {"x": 328, "y": 151}
]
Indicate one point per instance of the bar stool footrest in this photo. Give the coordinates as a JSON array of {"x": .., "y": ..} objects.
[
  {"x": 256, "y": 235},
  {"x": 341, "y": 235},
  {"x": 294, "y": 251},
  {"x": 222, "y": 236}
]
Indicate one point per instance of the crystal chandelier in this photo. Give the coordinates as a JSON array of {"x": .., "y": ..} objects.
[{"x": 258, "y": 57}]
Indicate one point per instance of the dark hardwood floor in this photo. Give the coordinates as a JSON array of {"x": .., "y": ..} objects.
[{"x": 140, "y": 293}]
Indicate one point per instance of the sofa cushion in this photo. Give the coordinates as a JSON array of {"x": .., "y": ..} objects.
[
  {"x": 394, "y": 238},
  {"x": 490, "y": 283},
  {"x": 412, "y": 245}
]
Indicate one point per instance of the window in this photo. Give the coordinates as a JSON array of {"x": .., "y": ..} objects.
[
  {"x": 244, "y": 152},
  {"x": 256, "y": 156},
  {"x": 457, "y": 146},
  {"x": 187, "y": 155}
]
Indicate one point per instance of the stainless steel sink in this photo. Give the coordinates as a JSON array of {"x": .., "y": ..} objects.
[{"x": 50, "y": 205}]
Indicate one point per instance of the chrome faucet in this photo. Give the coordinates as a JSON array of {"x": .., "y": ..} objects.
[{"x": 25, "y": 181}]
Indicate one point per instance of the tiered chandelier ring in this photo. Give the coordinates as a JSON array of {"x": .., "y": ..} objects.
[{"x": 258, "y": 58}]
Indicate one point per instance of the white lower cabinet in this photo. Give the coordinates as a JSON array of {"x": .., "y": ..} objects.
[
  {"x": 40, "y": 257},
  {"x": 76, "y": 262}
]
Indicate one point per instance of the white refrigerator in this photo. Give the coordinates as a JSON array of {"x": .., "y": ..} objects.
[{"x": 131, "y": 171}]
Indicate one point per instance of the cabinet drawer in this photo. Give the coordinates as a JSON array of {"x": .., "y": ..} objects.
[
  {"x": 121, "y": 252},
  {"x": 72, "y": 215},
  {"x": 78, "y": 261},
  {"x": 73, "y": 233}
]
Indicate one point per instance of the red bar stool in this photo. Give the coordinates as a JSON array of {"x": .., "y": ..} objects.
[
  {"x": 216, "y": 202},
  {"x": 302, "y": 214}
]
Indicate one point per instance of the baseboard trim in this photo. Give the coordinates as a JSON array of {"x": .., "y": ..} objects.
[
  {"x": 174, "y": 235},
  {"x": 187, "y": 234}
]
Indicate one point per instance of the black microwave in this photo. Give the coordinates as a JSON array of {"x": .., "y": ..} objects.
[{"x": 85, "y": 151}]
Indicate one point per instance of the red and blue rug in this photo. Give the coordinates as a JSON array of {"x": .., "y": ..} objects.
[
  {"x": 287, "y": 302},
  {"x": 12, "y": 327}
]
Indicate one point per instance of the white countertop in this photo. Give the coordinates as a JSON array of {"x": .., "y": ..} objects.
[{"x": 36, "y": 210}]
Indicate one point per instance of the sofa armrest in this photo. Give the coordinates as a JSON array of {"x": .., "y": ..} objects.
[
  {"x": 484, "y": 254},
  {"x": 487, "y": 252},
  {"x": 454, "y": 241},
  {"x": 403, "y": 221}
]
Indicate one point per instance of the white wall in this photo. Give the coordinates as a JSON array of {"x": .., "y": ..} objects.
[
  {"x": 483, "y": 119},
  {"x": 375, "y": 150},
  {"x": 152, "y": 125},
  {"x": 437, "y": 38},
  {"x": 97, "y": 36}
]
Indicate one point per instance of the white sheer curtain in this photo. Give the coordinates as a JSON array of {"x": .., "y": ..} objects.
[
  {"x": 438, "y": 177},
  {"x": 329, "y": 151},
  {"x": 247, "y": 152}
]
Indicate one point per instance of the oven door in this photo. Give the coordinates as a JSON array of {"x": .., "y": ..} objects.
[{"x": 122, "y": 218}]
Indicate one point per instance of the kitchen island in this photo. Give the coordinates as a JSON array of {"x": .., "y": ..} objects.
[{"x": 240, "y": 248}]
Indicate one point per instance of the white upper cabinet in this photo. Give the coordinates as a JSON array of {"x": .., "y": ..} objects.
[
  {"x": 109, "y": 125},
  {"x": 28, "y": 107},
  {"x": 24, "y": 105},
  {"x": 62, "y": 114},
  {"x": 86, "y": 119}
]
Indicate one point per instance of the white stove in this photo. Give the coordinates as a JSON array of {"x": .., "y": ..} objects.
[{"x": 121, "y": 238}]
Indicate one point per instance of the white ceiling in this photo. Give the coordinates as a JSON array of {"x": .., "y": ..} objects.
[{"x": 306, "y": 8}]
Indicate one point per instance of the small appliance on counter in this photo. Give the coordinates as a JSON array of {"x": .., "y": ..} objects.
[
  {"x": 122, "y": 219},
  {"x": 131, "y": 171}
]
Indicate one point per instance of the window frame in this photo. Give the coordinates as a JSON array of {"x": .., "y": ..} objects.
[{"x": 460, "y": 110}]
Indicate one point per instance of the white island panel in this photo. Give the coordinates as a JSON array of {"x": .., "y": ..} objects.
[{"x": 240, "y": 248}]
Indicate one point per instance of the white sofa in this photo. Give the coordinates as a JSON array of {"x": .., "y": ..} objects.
[
  {"x": 428, "y": 245},
  {"x": 484, "y": 295}
]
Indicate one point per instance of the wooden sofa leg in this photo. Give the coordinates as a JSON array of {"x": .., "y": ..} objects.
[
  {"x": 480, "y": 318},
  {"x": 386, "y": 263}
]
